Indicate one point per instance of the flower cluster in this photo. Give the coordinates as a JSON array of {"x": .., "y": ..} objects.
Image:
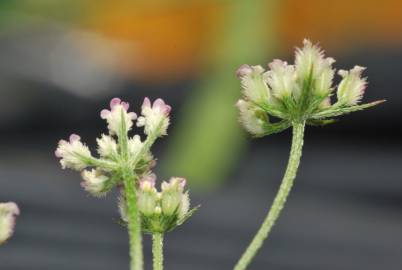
[
  {"x": 104, "y": 172},
  {"x": 120, "y": 154},
  {"x": 161, "y": 211},
  {"x": 8, "y": 213},
  {"x": 297, "y": 93}
]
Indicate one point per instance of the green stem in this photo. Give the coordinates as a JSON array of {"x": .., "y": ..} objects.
[
  {"x": 157, "y": 250},
  {"x": 134, "y": 222},
  {"x": 280, "y": 199},
  {"x": 133, "y": 213}
]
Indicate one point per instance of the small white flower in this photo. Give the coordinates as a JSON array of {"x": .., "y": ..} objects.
[
  {"x": 149, "y": 177},
  {"x": 107, "y": 146},
  {"x": 94, "y": 182},
  {"x": 323, "y": 81},
  {"x": 118, "y": 109},
  {"x": 308, "y": 60},
  {"x": 351, "y": 89},
  {"x": 253, "y": 84},
  {"x": 155, "y": 118},
  {"x": 172, "y": 194},
  {"x": 249, "y": 117},
  {"x": 282, "y": 79},
  {"x": 147, "y": 197},
  {"x": 73, "y": 153},
  {"x": 8, "y": 213},
  {"x": 135, "y": 145}
]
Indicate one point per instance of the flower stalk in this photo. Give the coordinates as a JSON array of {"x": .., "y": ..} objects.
[
  {"x": 280, "y": 199},
  {"x": 157, "y": 251},
  {"x": 134, "y": 221}
]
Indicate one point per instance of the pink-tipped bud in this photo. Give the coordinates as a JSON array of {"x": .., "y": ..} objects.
[
  {"x": 243, "y": 70},
  {"x": 118, "y": 109},
  {"x": 114, "y": 102},
  {"x": 73, "y": 154},
  {"x": 352, "y": 87},
  {"x": 74, "y": 137},
  {"x": 155, "y": 117}
]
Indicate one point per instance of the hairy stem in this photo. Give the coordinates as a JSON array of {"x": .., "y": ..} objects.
[
  {"x": 134, "y": 220},
  {"x": 157, "y": 250},
  {"x": 280, "y": 199}
]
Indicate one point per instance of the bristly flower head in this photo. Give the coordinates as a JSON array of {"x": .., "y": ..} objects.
[
  {"x": 154, "y": 117},
  {"x": 161, "y": 211},
  {"x": 117, "y": 147},
  {"x": 8, "y": 213},
  {"x": 117, "y": 114},
  {"x": 297, "y": 93},
  {"x": 73, "y": 153}
]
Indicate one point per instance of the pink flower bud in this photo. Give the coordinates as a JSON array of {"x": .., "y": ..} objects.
[
  {"x": 73, "y": 153},
  {"x": 155, "y": 117},
  {"x": 243, "y": 70},
  {"x": 113, "y": 117}
]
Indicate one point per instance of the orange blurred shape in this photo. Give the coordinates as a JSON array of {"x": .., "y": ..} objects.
[
  {"x": 166, "y": 40},
  {"x": 342, "y": 24}
]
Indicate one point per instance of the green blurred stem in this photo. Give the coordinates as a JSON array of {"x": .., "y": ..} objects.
[
  {"x": 157, "y": 250},
  {"x": 134, "y": 221},
  {"x": 280, "y": 199}
]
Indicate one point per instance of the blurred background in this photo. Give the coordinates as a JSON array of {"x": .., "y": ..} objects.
[{"x": 62, "y": 60}]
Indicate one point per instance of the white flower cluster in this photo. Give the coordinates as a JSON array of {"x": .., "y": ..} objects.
[
  {"x": 99, "y": 179},
  {"x": 294, "y": 92},
  {"x": 8, "y": 213},
  {"x": 161, "y": 211}
]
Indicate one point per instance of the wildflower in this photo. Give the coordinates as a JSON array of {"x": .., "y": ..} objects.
[
  {"x": 73, "y": 154},
  {"x": 95, "y": 182},
  {"x": 252, "y": 117},
  {"x": 147, "y": 197},
  {"x": 107, "y": 147},
  {"x": 172, "y": 195},
  {"x": 155, "y": 118},
  {"x": 323, "y": 81},
  {"x": 134, "y": 146},
  {"x": 118, "y": 113},
  {"x": 281, "y": 79},
  {"x": 8, "y": 213},
  {"x": 297, "y": 93},
  {"x": 253, "y": 83},
  {"x": 164, "y": 210},
  {"x": 351, "y": 89}
]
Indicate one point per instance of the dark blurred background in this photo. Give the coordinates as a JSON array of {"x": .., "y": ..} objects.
[{"x": 61, "y": 62}]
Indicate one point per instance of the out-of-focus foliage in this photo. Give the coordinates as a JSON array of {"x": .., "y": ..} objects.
[{"x": 209, "y": 139}]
